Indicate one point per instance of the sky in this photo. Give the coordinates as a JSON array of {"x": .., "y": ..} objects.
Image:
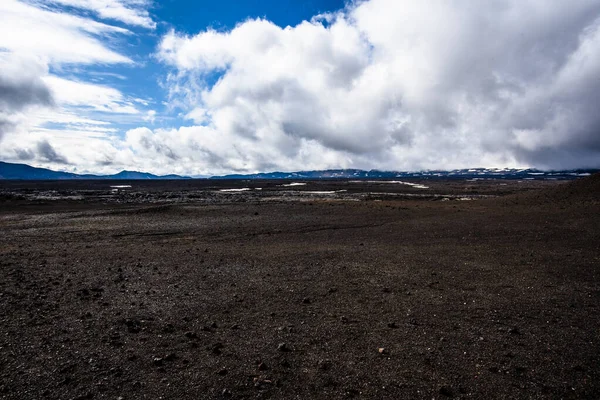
[{"x": 198, "y": 87}]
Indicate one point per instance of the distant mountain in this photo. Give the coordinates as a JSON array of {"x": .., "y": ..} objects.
[
  {"x": 26, "y": 172},
  {"x": 474, "y": 173}
]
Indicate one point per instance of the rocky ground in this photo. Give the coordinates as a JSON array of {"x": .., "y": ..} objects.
[{"x": 180, "y": 290}]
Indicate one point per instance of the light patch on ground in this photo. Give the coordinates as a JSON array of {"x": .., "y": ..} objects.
[
  {"x": 294, "y": 184},
  {"x": 234, "y": 190},
  {"x": 415, "y": 185}
]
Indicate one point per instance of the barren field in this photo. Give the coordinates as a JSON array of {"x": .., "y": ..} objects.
[{"x": 300, "y": 290}]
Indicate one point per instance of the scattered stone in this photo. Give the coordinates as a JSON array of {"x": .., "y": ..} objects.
[
  {"x": 263, "y": 367},
  {"x": 306, "y": 300},
  {"x": 383, "y": 351},
  {"x": 283, "y": 347},
  {"x": 446, "y": 391},
  {"x": 133, "y": 325},
  {"x": 214, "y": 325},
  {"x": 216, "y": 348},
  {"x": 222, "y": 371},
  {"x": 88, "y": 395},
  {"x": 226, "y": 393},
  {"x": 325, "y": 365},
  {"x": 520, "y": 370},
  {"x": 157, "y": 361}
]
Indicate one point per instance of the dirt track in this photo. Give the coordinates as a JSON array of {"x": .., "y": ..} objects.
[{"x": 302, "y": 297}]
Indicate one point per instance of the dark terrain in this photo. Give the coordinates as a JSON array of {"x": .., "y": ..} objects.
[{"x": 333, "y": 289}]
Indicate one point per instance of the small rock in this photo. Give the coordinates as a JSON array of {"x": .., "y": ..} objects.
[
  {"x": 446, "y": 391},
  {"x": 191, "y": 335},
  {"x": 226, "y": 393},
  {"x": 306, "y": 300},
  {"x": 157, "y": 361},
  {"x": 216, "y": 348},
  {"x": 171, "y": 357},
  {"x": 263, "y": 367},
  {"x": 222, "y": 371},
  {"x": 514, "y": 331},
  {"x": 392, "y": 325},
  {"x": 325, "y": 365},
  {"x": 283, "y": 347},
  {"x": 383, "y": 351}
]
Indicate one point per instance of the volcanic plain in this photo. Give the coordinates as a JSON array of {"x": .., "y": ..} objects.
[{"x": 481, "y": 289}]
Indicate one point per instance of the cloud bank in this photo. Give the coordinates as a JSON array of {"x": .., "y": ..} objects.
[
  {"x": 47, "y": 113},
  {"x": 396, "y": 84},
  {"x": 386, "y": 84}
]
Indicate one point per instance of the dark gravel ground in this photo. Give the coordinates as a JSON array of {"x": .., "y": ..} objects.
[{"x": 279, "y": 294}]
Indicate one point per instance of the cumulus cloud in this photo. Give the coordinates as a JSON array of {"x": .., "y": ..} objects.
[
  {"x": 48, "y": 153},
  {"x": 394, "y": 84},
  {"x": 36, "y": 39},
  {"x": 20, "y": 89}
]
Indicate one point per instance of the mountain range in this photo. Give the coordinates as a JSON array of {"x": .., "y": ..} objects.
[{"x": 26, "y": 172}]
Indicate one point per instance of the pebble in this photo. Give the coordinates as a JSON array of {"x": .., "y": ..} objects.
[
  {"x": 263, "y": 367},
  {"x": 446, "y": 391},
  {"x": 157, "y": 361},
  {"x": 283, "y": 347}
]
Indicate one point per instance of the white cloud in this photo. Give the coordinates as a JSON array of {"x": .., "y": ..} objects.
[
  {"x": 35, "y": 39},
  {"x": 399, "y": 84},
  {"x": 389, "y": 84},
  {"x": 56, "y": 37},
  {"x": 91, "y": 96},
  {"x": 131, "y": 12}
]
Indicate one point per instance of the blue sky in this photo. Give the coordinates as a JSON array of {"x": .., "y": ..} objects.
[
  {"x": 200, "y": 88},
  {"x": 187, "y": 16}
]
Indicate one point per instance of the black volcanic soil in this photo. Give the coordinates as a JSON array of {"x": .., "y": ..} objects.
[{"x": 175, "y": 290}]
